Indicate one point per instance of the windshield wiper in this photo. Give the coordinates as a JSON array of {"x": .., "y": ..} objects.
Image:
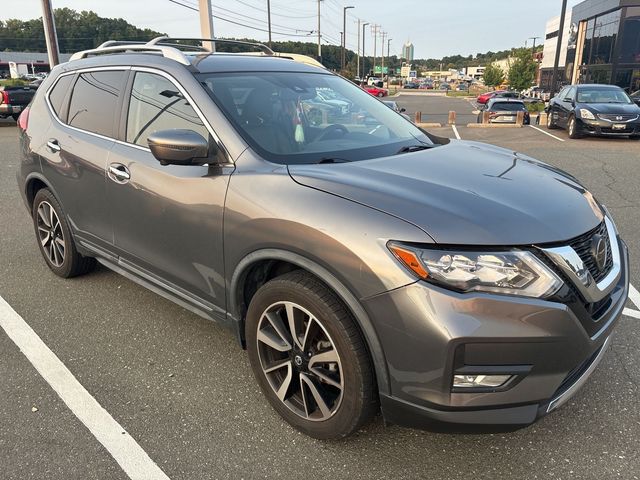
[
  {"x": 414, "y": 148},
  {"x": 333, "y": 160}
]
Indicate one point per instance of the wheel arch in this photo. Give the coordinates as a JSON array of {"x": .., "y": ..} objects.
[
  {"x": 33, "y": 183},
  {"x": 268, "y": 263}
]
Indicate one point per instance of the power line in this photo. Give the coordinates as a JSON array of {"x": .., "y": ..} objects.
[{"x": 273, "y": 12}]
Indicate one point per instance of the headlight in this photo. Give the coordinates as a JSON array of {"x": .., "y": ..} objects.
[
  {"x": 516, "y": 272},
  {"x": 584, "y": 113}
]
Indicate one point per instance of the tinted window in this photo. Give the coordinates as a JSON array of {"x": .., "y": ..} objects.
[
  {"x": 508, "y": 107},
  {"x": 56, "y": 96},
  {"x": 602, "y": 95},
  {"x": 570, "y": 95},
  {"x": 157, "y": 104},
  {"x": 94, "y": 101}
]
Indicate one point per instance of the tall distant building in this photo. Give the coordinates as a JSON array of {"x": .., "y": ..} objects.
[{"x": 407, "y": 51}]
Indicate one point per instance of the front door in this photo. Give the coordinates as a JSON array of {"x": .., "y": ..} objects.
[{"x": 167, "y": 219}]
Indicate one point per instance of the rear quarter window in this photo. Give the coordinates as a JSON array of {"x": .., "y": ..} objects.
[{"x": 58, "y": 94}]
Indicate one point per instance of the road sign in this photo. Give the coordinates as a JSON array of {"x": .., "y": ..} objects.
[
  {"x": 413, "y": 74},
  {"x": 404, "y": 71},
  {"x": 377, "y": 69}
]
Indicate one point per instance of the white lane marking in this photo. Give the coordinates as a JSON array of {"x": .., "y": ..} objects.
[
  {"x": 547, "y": 133},
  {"x": 455, "y": 132},
  {"x": 634, "y": 296},
  {"x": 631, "y": 313},
  {"x": 375, "y": 129},
  {"x": 125, "y": 450}
]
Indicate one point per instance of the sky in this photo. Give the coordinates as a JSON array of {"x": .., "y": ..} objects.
[{"x": 437, "y": 28}]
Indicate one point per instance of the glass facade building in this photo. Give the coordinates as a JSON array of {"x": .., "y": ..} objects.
[
  {"x": 607, "y": 48},
  {"x": 602, "y": 45}
]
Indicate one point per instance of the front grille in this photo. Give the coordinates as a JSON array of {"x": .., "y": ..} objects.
[
  {"x": 620, "y": 117},
  {"x": 582, "y": 246}
]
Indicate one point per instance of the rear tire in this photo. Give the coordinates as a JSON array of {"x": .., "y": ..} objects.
[
  {"x": 551, "y": 125},
  {"x": 54, "y": 237},
  {"x": 15, "y": 116},
  {"x": 326, "y": 358}
]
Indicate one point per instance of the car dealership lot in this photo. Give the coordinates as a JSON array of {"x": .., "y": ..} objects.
[{"x": 182, "y": 388}]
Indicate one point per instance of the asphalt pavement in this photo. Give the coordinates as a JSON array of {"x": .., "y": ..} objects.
[{"x": 182, "y": 387}]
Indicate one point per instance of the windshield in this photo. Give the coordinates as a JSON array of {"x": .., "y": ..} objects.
[
  {"x": 508, "y": 107},
  {"x": 602, "y": 95},
  {"x": 292, "y": 118}
]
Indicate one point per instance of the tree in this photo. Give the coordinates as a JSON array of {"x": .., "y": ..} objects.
[
  {"x": 493, "y": 76},
  {"x": 522, "y": 72}
]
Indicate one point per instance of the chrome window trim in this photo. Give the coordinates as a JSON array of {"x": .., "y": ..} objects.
[
  {"x": 572, "y": 266},
  {"x": 140, "y": 69}
]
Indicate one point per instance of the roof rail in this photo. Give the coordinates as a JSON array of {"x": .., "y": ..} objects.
[
  {"x": 167, "y": 52},
  {"x": 170, "y": 41}
]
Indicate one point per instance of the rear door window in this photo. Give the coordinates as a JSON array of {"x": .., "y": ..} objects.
[
  {"x": 58, "y": 94},
  {"x": 94, "y": 101},
  {"x": 157, "y": 104}
]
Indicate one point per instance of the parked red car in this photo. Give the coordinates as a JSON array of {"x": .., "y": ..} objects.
[
  {"x": 485, "y": 97},
  {"x": 376, "y": 92}
]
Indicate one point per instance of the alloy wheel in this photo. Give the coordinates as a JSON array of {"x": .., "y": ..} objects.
[
  {"x": 50, "y": 234},
  {"x": 572, "y": 127},
  {"x": 300, "y": 361}
]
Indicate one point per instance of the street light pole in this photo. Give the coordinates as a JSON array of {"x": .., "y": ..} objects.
[
  {"x": 374, "y": 30},
  {"x": 556, "y": 63},
  {"x": 383, "y": 34},
  {"x": 364, "y": 56},
  {"x": 344, "y": 36},
  {"x": 50, "y": 34},
  {"x": 388, "y": 59}
]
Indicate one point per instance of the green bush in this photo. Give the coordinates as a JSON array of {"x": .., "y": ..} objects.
[
  {"x": 13, "y": 82},
  {"x": 535, "y": 107}
]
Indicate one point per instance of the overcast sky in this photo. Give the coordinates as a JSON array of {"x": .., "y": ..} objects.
[{"x": 436, "y": 27}]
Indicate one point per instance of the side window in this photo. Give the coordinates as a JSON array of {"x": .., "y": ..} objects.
[
  {"x": 570, "y": 94},
  {"x": 94, "y": 101},
  {"x": 157, "y": 104},
  {"x": 58, "y": 94}
]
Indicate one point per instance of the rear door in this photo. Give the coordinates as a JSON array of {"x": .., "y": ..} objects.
[
  {"x": 167, "y": 219},
  {"x": 77, "y": 147}
]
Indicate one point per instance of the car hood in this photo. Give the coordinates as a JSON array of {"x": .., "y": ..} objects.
[
  {"x": 464, "y": 193},
  {"x": 612, "y": 108}
]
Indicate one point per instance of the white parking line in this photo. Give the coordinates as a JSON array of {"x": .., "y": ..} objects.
[
  {"x": 631, "y": 313},
  {"x": 547, "y": 133},
  {"x": 634, "y": 296},
  {"x": 125, "y": 450},
  {"x": 455, "y": 132}
]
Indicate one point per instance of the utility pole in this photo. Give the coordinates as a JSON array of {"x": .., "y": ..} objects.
[
  {"x": 374, "y": 30},
  {"x": 344, "y": 36},
  {"x": 358, "y": 67},
  {"x": 50, "y": 34},
  {"x": 319, "y": 44},
  {"x": 206, "y": 23},
  {"x": 383, "y": 34},
  {"x": 269, "y": 20},
  {"x": 556, "y": 62},
  {"x": 534, "y": 43},
  {"x": 388, "y": 59},
  {"x": 364, "y": 56}
]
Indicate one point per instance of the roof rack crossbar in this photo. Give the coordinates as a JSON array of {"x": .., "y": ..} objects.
[
  {"x": 114, "y": 43},
  {"x": 167, "y": 52},
  {"x": 260, "y": 46}
]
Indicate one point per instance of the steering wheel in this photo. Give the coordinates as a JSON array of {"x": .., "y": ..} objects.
[{"x": 336, "y": 127}]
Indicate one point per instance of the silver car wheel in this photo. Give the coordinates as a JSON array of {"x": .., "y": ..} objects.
[
  {"x": 50, "y": 234},
  {"x": 300, "y": 361}
]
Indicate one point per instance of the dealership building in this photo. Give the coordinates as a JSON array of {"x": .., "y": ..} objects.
[{"x": 600, "y": 44}]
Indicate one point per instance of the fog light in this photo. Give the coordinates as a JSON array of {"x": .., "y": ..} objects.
[{"x": 480, "y": 381}]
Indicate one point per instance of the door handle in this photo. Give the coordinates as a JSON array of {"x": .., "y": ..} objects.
[
  {"x": 119, "y": 173},
  {"x": 53, "y": 145}
]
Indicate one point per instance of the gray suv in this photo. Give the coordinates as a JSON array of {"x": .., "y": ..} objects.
[{"x": 362, "y": 262}]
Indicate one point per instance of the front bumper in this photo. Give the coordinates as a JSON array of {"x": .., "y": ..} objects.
[
  {"x": 600, "y": 127},
  {"x": 429, "y": 333}
]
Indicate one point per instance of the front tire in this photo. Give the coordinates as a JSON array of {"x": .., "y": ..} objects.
[
  {"x": 309, "y": 357},
  {"x": 572, "y": 127},
  {"x": 54, "y": 237}
]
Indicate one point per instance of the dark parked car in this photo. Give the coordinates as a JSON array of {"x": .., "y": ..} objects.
[
  {"x": 362, "y": 266},
  {"x": 411, "y": 85},
  {"x": 504, "y": 110},
  {"x": 13, "y": 100},
  {"x": 594, "y": 110},
  {"x": 635, "y": 96}
]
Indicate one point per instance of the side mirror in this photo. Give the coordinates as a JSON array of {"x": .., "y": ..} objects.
[
  {"x": 179, "y": 147},
  {"x": 402, "y": 110}
]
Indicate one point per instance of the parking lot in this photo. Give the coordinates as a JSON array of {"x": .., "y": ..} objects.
[{"x": 183, "y": 389}]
